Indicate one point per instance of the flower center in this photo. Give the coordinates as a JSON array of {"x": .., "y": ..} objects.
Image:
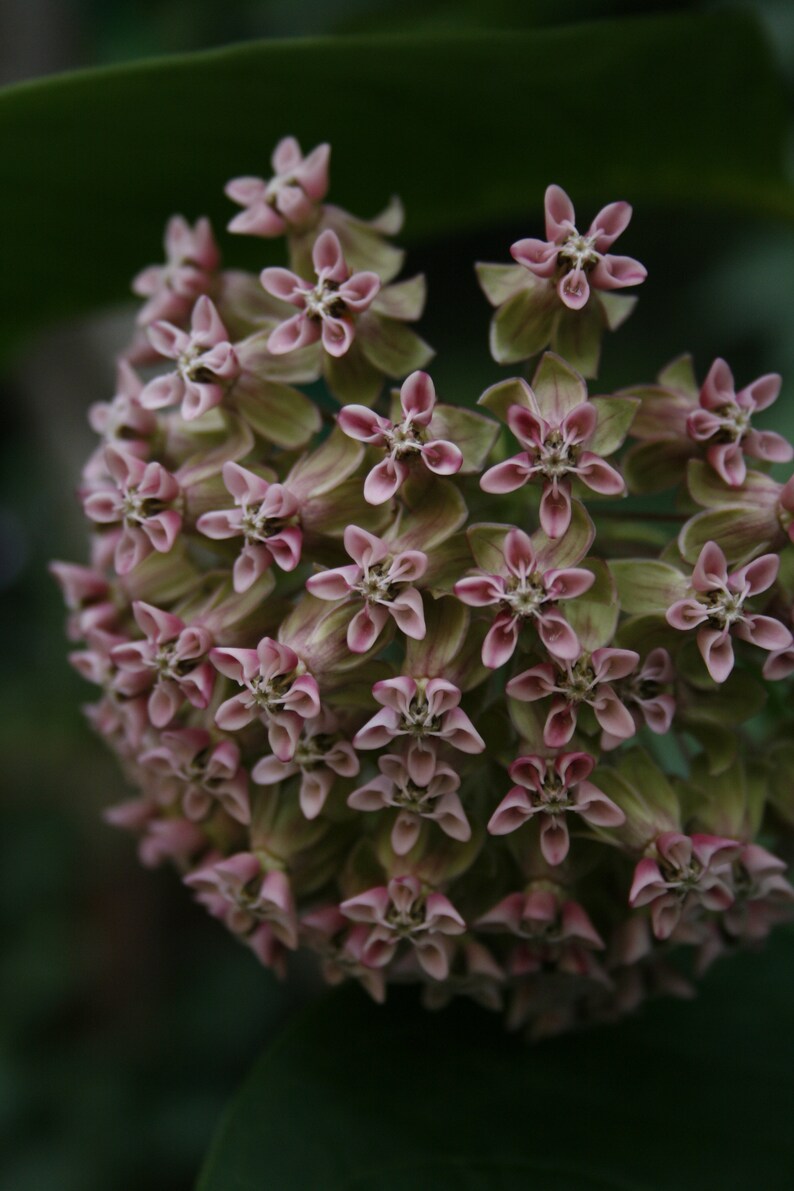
[
  {"x": 138, "y": 509},
  {"x": 404, "y": 439},
  {"x": 523, "y": 596},
  {"x": 419, "y": 720},
  {"x": 257, "y": 526},
  {"x": 734, "y": 423},
  {"x": 408, "y": 921},
  {"x": 579, "y": 680},
  {"x": 323, "y": 301},
  {"x": 268, "y": 693},
  {"x": 580, "y": 251},
  {"x": 724, "y": 607},
  {"x": 554, "y": 795},
  {"x": 374, "y": 584},
  {"x": 556, "y": 456},
  {"x": 413, "y": 798}
]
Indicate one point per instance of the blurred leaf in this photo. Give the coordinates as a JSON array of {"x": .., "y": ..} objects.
[
  {"x": 668, "y": 109},
  {"x": 690, "y": 1095}
]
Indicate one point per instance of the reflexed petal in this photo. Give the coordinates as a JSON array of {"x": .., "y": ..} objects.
[
  {"x": 757, "y": 576},
  {"x": 365, "y": 627},
  {"x": 599, "y": 475},
  {"x": 538, "y": 256},
  {"x": 555, "y": 509},
  {"x": 554, "y": 840},
  {"x": 283, "y": 284},
  {"x": 507, "y": 476},
  {"x": 478, "y": 591},
  {"x": 512, "y": 812},
  {"x": 764, "y": 631},
  {"x": 569, "y": 583},
  {"x": 359, "y": 291},
  {"x": 560, "y": 723},
  {"x": 532, "y": 684},
  {"x": 405, "y": 832},
  {"x": 518, "y": 553},
  {"x": 610, "y": 222},
  {"x": 557, "y": 635},
  {"x": 559, "y": 211},
  {"x": 711, "y": 570},
  {"x": 327, "y": 257},
  {"x": 500, "y": 641},
  {"x": 163, "y": 391},
  {"x": 612, "y": 716},
  {"x": 574, "y": 289},
  {"x": 766, "y": 444},
  {"x": 384, "y": 480},
  {"x": 359, "y": 422},
  {"x": 686, "y": 614},
  {"x": 443, "y": 458},
  {"x": 337, "y": 335},
  {"x": 296, "y": 332},
  {"x": 762, "y": 392},
  {"x": 594, "y": 806},
  {"x": 409, "y": 614},
  {"x": 615, "y": 272},
  {"x": 334, "y": 584},
  {"x": 717, "y": 652},
  {"x": 727, "y": 460},
  {"x": 364, "y": 548},
  {"x": 718, "y": 387}
]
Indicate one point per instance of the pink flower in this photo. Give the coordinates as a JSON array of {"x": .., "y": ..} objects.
[
  {"x": 579, "y": 262},
  {"x": 289, "y": 200},
  {"x": 122, "y": 420},
  {"x": 382, "y": 580},
  {"x": 264, "y": 517},
  {"x": 253, "y": 896},
  {"x": 685, "y": 873},
  {"x": 422, "y": 709},
  {"x": 643, "y": 694},
  {"x": 716, "y": 608},
  {"x": 557, "y": 934},
  {"x": 587, "y": 680},
  {"x": 321, "y": 755},
  {"x": 403, "y": 911},
  {"x": 327, "y": 309},
  {"x": 553, "y": 452},
  {"x": 276, "y": 689},
  {"x": 341, "y": 948},
  {"x": 525, "y": 593},
  {"x": 408, "y": 440},
  {"x": 87, "y": 596},
  {"x": 551, "y": 789},
  {"x": 206, "y": 363},
  {"x": 419, "y": 786},
  {"x": 204, "y": 772},
  {"x": 723, "y": 423},
  {"x": 763, "y": 895},
  {"x": 174, "y": 658},
  {"x": 191, "y": 260},
  {"x": 142, "y": 499}
]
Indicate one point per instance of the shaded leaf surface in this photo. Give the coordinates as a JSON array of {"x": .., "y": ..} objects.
[
  {"x": 689, "y": 1095},
  {"x": 688, "y": 109}
]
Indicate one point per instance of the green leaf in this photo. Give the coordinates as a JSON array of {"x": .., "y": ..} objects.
[
  {"x": 646, "y": 586},
  {"x": 743, "y": 533},
  {"x": 473, "y": 433},
  {"x": 651, "y": 467},
  {"x": 558, "y": 387},
  {"x": 279, "y": 413},
  {"x": 504, "y": 394},
  {"x": 392, "y": 347},
  {"x": 359, "y": 1097},
  {"x": 522, "y": 327},
  {"x": 615, "y": 415},
  {"x": 577, "y": 337},
  {"x": 688, "y": 108},
  {"x": 500, "y": 282}
]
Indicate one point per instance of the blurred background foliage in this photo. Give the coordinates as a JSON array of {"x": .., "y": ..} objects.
[{"x": 126, "y": 1015}]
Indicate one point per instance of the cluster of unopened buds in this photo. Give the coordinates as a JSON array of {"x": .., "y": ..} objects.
[{"x": 397, "y": 679}]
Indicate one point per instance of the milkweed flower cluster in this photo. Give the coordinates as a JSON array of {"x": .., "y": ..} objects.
[{"x": 394, "y": 677}]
